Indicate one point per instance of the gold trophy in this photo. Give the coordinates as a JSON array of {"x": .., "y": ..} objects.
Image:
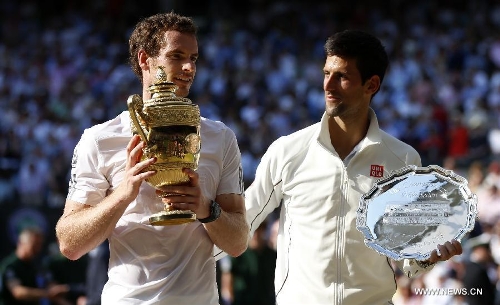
[{"x": 170, "y": 127}]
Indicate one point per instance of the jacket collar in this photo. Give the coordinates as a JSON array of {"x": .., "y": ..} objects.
[{"x": 373, "y": 136}]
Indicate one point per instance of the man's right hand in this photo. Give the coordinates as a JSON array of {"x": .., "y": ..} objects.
[{"x": 129, "y": 187}]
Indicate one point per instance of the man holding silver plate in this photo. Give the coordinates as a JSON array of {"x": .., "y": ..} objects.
[{"x": 317, "y": 177}]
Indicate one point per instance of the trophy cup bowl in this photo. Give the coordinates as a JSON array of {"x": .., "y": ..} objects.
[{"x": 170, "y": 127}]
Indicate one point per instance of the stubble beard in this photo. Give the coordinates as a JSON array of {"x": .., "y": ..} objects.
[
  {"x": 341, "y": 112},
  {"x": 333, "y": 110}
]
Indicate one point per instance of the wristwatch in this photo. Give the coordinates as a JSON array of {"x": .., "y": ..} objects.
[{"x": 214, "y": 212}]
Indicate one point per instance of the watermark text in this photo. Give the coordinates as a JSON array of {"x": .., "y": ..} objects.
[{"x": 448, "y": 291}]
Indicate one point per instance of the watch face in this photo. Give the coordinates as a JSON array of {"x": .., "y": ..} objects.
[
  {"x": 214, "y": 213},
  {"x": 215, "y": 210}
]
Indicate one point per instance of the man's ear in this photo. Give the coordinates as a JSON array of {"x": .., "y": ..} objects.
[
  {"x": 373, "y": 84},
  {"x": 144, "y": 63}
]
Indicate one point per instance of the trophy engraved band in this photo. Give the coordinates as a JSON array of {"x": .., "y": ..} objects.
[
  {"x": 411, "y": 211},
  {"x": 170, "y": 127}
]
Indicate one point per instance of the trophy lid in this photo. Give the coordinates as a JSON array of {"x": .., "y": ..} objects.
[
  {"x": 167, "y": 109},
  {"x": 164, "y": 91}
]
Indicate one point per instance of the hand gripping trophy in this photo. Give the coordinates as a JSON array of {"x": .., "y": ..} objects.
[{"x": 170, "y": 127}]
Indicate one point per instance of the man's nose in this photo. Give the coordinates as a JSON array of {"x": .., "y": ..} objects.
[{"x": 189, "y": 66}]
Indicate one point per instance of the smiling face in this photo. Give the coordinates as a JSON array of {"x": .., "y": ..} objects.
[
  {"x": 345, "y": 95},
  {"x": 178, "y": 56}
]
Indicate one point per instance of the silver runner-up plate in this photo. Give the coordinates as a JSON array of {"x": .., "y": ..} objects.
[{"x": 415, "y": 209}]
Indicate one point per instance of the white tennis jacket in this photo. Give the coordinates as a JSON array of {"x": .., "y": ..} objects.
[{"x": 322, "y": 258}]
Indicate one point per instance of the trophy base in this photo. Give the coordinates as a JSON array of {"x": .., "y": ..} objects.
[{"x": 172, "y": 217}]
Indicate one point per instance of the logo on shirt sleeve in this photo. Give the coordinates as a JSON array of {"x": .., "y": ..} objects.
[{"x": 376, "y": 171}]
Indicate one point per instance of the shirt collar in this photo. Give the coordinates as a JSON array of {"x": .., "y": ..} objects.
[{"x": 373, "y": 136}]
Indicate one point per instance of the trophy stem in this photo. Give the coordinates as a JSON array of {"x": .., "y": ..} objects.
[{"x": 171, "y": 216}]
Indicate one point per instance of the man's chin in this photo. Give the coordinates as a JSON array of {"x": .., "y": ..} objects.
[
  {"x": 182, "y": 92},
  {"x": 332, "y": 112}
]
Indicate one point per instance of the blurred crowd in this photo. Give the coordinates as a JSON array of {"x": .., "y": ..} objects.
[{"x": 64, "y": 68}]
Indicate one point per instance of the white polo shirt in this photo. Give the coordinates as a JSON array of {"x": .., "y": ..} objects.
[
  {"x": 155, "y": 264},
  {"x": 322, "y": 258}
]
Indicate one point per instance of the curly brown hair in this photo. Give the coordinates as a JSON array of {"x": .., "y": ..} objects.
[{"x": 148, "y": 35}]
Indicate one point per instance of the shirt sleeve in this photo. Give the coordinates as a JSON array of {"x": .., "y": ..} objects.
[
  {"x": 264, "y": 195},
  {"x": 87, "y": 183},
  {"x": 232, "y": 172}
]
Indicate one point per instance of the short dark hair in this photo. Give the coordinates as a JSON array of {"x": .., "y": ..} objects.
[
  {"x": 148, "y": 35},
  {"x": 369, "y": 53}
]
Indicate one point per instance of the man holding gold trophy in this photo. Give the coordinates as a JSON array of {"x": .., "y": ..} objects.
[
  {"x": 317, "y": 177},
  {"x": 161, "y": 233}
]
